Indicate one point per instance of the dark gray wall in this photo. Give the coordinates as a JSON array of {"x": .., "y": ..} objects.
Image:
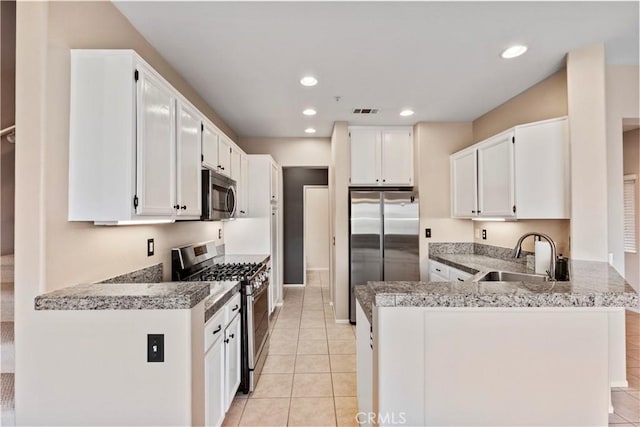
[{"x": 293, "y": 182}]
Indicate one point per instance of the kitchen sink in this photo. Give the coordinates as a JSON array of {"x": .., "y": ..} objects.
[{"x": 507, "y": 276}]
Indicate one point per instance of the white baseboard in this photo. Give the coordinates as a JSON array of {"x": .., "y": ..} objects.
[
  {"x": 620, "y": 384},
  {"x": 293, "y": 285},
  {"x": 342, "y": 321}
]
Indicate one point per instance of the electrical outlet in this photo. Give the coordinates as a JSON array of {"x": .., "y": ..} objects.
[
  {"x": 150, "y": 247},
  {"x": 427, "y": 233},
  {"x": 155, "y": 347},
  {"x": 219, "y": 233},
  {"x": 484, "y": 234}
]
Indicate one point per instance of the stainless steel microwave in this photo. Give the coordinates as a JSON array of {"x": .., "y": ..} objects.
[{"x": 218, "y": 196}]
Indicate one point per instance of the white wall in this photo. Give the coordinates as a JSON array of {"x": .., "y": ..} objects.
[
  {"x": 316, "y": 227},
  {"x": 50, "y": 251},
  {"x": 434, "y": 143},
  {"x": 339, "y": 177},
  {"x": 587, "y": 130},
  {"x": 291, "y": 151},
  {"x": 622, "y": 102}
]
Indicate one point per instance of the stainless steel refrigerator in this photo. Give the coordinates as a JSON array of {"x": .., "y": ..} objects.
[{"x": 383, "y": 244}]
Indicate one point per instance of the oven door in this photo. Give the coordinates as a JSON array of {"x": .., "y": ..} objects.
[
  {"x": 258, "y": 331},
  {"x": 218, "y": 196}
]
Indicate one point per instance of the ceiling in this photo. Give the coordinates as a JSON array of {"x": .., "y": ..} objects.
[{"x": 441, "y": 59}]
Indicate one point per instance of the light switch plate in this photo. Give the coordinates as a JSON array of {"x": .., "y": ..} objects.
[{"x": 150, "y": 247}]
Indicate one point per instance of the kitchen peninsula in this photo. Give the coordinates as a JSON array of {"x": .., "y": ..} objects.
[{"x": 492, "y": 353}]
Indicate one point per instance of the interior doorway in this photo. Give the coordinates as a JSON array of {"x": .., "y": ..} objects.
[{"x": 316, "y": 235}]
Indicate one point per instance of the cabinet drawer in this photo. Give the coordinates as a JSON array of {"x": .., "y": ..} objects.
[
  {"x": 438, "y": 269},
  {"x": 214, "y": 329},
  {"x": 456, "y": 275},
  {"x": 232, "y": 309}
]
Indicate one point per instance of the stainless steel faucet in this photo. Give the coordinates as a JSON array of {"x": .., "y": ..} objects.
[{"x": 552, "y": 262}]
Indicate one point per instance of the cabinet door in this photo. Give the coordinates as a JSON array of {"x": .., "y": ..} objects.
[
  {"x": 235, "y": 165},
  {"x": 274, "y": 279},
  {"x": 232, "y": 361},
  {"x": 189, "y": 181},
  {"x": 364, "y": 366},
  {"x": 397, "y": 157},
  {"x": 495, "y": 176},
  {"x": 210, "y": 138},
  {"x": 542, "y": 172},
  {"x": 463, "y": 184},
  {"x": 456, "y": 275},
  {"x": 243, "y": 186},
  {"x": 214, "y": 371},
  {"x": 365, "y": 157},
  {"x": 274, "y": 182},
  {"x": 224, "y": 156},
  {"x": 156, "y": 118}
]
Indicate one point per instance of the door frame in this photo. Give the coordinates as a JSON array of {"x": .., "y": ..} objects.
[{"x": 304, "y": 230}]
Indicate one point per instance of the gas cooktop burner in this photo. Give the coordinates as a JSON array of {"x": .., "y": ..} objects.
[{"x": 219, "y": 272}]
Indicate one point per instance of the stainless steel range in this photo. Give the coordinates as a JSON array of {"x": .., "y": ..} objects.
[{"x": 208, "y": 262}]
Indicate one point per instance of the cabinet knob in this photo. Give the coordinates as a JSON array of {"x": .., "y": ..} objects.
[
  {"x": 377, "y": 180},
  {"x": 473, "y": 211},
  {"x": 176, "y": 206},
  {"x": 183, "y": 207},
  {"x": 232, "y": 335},
  {"x": 226, "y": 341},
  {"x": 384, "y": 180},
  {"x": 242, "y": 212}
]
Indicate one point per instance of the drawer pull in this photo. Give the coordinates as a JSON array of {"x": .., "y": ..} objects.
[
  {"x": 217, "y": 330},
  {"x": 460, "y": 280},
  {"x": 235, "y": 308},
  {"x": 438, "y": 270},
  {"x": 226, "y": 341},
  {"x": 231, "y": 335}
]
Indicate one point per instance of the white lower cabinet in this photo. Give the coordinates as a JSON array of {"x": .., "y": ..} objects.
[
  {"x": 232, "y": 360},
  {"x": 214, "y": 368},
  {"x": 364, "y": 366},
  {"x": 439, "y": 272},
  {"x": 221, "y": 361}
]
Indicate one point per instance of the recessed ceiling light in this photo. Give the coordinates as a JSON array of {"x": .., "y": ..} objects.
[
  {"x": 308, "y": 81},
  {"x": 309, "y": 112},
  {"x": 406, "y": 113},
  {"x": 513, "y": 51},
  {"x": 310, "y": 130}
]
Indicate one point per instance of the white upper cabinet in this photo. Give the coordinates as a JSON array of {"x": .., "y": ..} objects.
[
  {"x": 463, "y": 184},
  {"x": 224, "y": 156},
  {"x": 189, "y": 183},
  {"x": 521, "y": 173},
  {"x": 542, "y": 173},
  {"x": 210, "y": 137},
  {"x": 236, "y": 170},
  {"x": 495, "y": 176},
  {"x": 243, "y": 187},
  {"x": 365, "y": 156},
  {"x": 156, "y": 113},
  {"x": 136, "y": 146},
  {"x": 275, "y": 172},
  {"x": 381, "y": 156},
  {"x": 397, "y": 157}
]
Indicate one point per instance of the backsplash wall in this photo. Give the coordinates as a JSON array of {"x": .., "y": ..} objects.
[{"x": 506, "y": 234}]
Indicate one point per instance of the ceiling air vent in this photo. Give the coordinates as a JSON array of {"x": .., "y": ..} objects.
[{"x": 365, "y": 111}]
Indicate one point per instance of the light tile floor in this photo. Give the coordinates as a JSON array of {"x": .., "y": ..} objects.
[
  {"x": 309, "y": 377},
  {"x": 626, "y": 401}
]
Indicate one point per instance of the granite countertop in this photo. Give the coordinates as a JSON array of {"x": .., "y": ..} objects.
[
  {"x": 220, "y": 293},
  {"x": 125, "y": 296},
  {"x": 592, "y": 284}
]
